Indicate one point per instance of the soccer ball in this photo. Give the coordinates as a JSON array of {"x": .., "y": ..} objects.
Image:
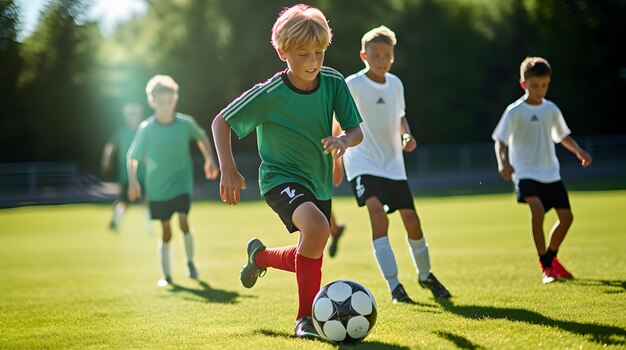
[{"x": 344, "y": 311}]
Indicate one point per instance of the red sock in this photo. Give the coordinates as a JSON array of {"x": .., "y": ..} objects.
[
  {"x": 283, "y": 258},
  {"x": 309, "y": 277}
]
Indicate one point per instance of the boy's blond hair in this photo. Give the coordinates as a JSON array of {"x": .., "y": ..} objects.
[
  {"x": 301, "y": 26},
  {"x": 534, "y": 67},
  {"x": 161, "y": 83},
  {"x": 380, "y": 34}
]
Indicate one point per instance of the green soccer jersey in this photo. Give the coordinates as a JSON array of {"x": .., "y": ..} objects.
[
  {"x": 290, "y": 125},
  {"x": 165, "y": 150}
]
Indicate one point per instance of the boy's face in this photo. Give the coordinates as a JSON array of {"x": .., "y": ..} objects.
[
  {"x": 379, "y": 58},
  {"x": 164, "y": 103},
  {"x": 536, "y": 87},
  {"x": 133, "y": 114},
  {"x": 304, "y": 65}
]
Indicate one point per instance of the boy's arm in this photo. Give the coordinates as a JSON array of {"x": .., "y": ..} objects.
[
  {"x": 231, "y": 181},
  {"x": 106, "y": 157},
  {"x": 504, "y": 167},
  {"x": 337, "y": 162},
  {"x": 408, "y": 141},
  {"x": 134, "y": 189},
  {"x": 337, "y": 145},
  {"x": 572, "y": 146},
  {"x": 210, "y": 168}
]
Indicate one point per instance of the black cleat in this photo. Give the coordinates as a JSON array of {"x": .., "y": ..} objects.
[
  {"x": 193, "y": 272},
  {"x": 250, "y": 272},
  {"x": 399, "y": 295},
  {"x": 332, "y": 249},
  {"x": 305, "y": 328},
  {"x": 439, "y": 291}
]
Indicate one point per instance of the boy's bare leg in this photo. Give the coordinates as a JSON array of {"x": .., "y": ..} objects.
[
  {"x": 411, "y": 223},
  {"x": 336, "y": 230},
  {"x": 537, "y": 216},
  {"x": 314, "y": 230},
  {"x": 560, "y": 228}
]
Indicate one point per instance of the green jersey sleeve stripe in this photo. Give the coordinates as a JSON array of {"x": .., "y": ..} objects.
[
  {"x": 331, "y": 73},
  {"x": 246, "y": 97}
]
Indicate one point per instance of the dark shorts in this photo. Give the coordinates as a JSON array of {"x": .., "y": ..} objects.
[
  {"x": 163, "y": 210},
  {"x": 393, "y": 194},
  {"x": 552, "y": 195},
  {"x": 285, "y": 198}
]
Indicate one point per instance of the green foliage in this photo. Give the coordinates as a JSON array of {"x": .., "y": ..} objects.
[{"x": 68, "y": 282}]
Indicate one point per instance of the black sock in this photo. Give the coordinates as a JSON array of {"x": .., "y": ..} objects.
[{"x": 546, "y": 259}]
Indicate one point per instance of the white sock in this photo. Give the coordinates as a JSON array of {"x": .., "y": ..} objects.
[
  {"x": 421, "y": 258},
  {"x": 118, "y": 211},
  {"x": 165, "y": 255},
  {"x": 189, "y": 246},
  {"x": 386, "y": 261}
]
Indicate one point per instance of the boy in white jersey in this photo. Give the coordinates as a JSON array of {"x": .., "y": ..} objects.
[
  {"x": 524, "y": 145},
  {"x": 292, "y": 114},
  {"x": 375, "y": 168},
  {"x": 162, "y": 144}
]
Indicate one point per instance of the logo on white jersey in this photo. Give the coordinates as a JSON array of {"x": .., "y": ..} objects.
[
  {"x": 360, "y": 189},
  {"x": 534, "y": 118},
  {"x": 291, "y": 193},
  {"x": 380, "y": 101}
]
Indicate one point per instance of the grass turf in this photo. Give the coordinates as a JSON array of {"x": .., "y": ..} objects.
[{"x": 66, "y": 281}]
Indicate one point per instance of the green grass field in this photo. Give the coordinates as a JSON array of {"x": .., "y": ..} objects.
[{"x": 66, "y": 281}]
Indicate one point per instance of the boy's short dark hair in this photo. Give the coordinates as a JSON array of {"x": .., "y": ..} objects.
[{"x": 534, "y": 67}]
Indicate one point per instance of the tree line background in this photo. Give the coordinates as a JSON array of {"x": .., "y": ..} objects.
[{"x": 62, "y": 87}]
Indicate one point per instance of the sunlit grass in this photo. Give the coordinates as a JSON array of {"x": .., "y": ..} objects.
[{"x": 66, "y": 281}]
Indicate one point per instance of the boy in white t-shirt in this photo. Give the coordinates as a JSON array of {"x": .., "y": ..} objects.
[
  {"x": 375, "y": 168},
  {"x": 524, "y": 145}
]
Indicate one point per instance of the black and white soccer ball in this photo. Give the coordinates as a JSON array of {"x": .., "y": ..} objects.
[{"x": 344, "y": 312}]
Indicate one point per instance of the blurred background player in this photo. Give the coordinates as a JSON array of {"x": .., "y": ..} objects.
[
  {"x": 292, "y": 114},
  {"x": 375, "y": 168},
  {"x": 524, "y": 145},
  {"x": 162, "y": 141},
  {"x": 119, "y": 145}
]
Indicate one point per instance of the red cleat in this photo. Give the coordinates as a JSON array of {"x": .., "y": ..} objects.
[{"x": 559, "y": 270}]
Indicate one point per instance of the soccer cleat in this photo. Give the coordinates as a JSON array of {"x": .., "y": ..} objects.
[
  {"x": 559, "y": 270},
  {"x": 332, "y": 249},
  {"x": 113, "y": 225},
  {"x": 399, "y": 295},
  {"x": 251, "y": 271},
  {"x": 305, "y": 328},
  {"x": 193, "y": 272},
  {"x": 438, "y": 290},
  {"x": 548, "y": 275},
  {"x": 164, "y": 281}
]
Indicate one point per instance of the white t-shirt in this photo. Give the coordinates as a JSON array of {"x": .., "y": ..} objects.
[
  {"x": 381, "y": 106},
  {"x": 530, "y": 132}
]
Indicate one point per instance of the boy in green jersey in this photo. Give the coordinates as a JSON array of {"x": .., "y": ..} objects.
[
  {"x": 292, "y": 114},
  {"x": 162, "y": 142},
  {"x": 119, "y": 145}
]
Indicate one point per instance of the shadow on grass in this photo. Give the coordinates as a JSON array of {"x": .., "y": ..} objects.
[
  {"x": 597, "y": 333},
  {"x": 612, "y": 286},
  {"x": 207, "y": 293},
  {"x": 459, "y": 341},
  {"x": 362, "y": 345}
]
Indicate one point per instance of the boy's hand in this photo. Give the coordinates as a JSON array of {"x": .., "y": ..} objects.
[
  {"x": 230, "y": 185},
  {"x": 334, "y": 146},
  {"x": 585, "y": 158},
  {"x": 134, "y": 191},
  {"x": 506, "y": 171},
  {"x": 408, "y": 143},
  {"x": 210, "y": 170}
]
